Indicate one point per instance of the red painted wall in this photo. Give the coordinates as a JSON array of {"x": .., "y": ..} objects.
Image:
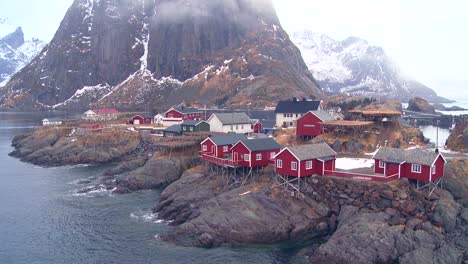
[
  {"x": 175, "y": 114},
  {"x": 241, "y": 150},
  {"x": 287, "y": 158},
  {"x": 391, "y": 169},
  {"x": 258, "y": 127},
  {"x": 316, "y": 168},
  {"x": 209, "y": 147},
  {"x": 308, "y": 125},
  {"x": 423, "y": 176},
  {"x": 377, "y": 169},
  {"x": 440, "y": 168},
  {"x": 329, "y": 165},
  {"x": 222, "y": 153}
]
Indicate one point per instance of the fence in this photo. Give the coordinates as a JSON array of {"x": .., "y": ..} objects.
[
  {"x": 361, "y": 176},
  {"x": 220, "y": 161}
]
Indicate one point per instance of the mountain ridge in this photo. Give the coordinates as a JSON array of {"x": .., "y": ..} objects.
[
  {"x": 236, "y": 56},
  {"x": 355, "y": 67},
  {"x": 15, "y": 53}
]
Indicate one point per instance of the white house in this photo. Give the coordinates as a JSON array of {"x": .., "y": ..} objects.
[
  {"x": 51, "y": 122},
  {"x": 288, "y": 112},
  {"x": 158, "y": 119},
  {"x": 239, "y": 123},
  {"x": 100, "y": 115}
]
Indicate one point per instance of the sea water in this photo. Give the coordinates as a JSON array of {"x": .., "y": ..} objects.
[{"x": 43, "y": 219}]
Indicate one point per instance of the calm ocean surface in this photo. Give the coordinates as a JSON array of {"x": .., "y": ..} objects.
[{"x": 44, "y": 220}]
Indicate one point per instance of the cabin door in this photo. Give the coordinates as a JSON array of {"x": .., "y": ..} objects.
[
  {"x": 213, "y": 150},
  {"x": 236, "y": 156}
]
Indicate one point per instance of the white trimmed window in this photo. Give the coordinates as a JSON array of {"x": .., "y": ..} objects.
[
  {"x": 258, "y": 156},
  {"x": 246, "y": 157},
  {"x": 416, "y": 168},
  {"x": 279, "y": 164},
  {"x": 381, "y": 164},
  {"x": 272, "y": 155},
  {"x": 433, "y": 169},
  {"x": 185, "y": 128},
  {"x": 205, "y": 148},
  {"x": 191, "y": 128},
  {"x": 308, "y": 165},
  {"x": 294, "y": 165},
  {"x": 225, "y": 149}
]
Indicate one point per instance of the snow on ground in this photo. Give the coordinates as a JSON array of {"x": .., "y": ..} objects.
[
  {"x": 371, "y": 153},
  {"x": 353, "y": 163}
]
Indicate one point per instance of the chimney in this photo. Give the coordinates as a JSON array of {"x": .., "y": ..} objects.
[
  {"x": 294, "y": 99},
  {"x": 304, "y": 99}
]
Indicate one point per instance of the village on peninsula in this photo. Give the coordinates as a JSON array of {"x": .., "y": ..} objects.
[{"x": 229, "y": 179}]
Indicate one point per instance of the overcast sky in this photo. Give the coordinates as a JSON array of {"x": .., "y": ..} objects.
[{"x": 427, "y": 38}]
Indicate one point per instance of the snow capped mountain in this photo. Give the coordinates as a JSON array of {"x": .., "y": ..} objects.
[
  {"x": 15, "y": 52},
  {"x": 132, "y": 54},
  {"x": 354, "y": 67}
]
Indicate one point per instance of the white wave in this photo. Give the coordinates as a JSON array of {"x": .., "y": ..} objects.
[
  {"x": 94, "y": 191},
  {"x": 148, "y": 217}
]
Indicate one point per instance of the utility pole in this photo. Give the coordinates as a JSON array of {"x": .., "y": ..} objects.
[{"x": 437, "y": 135}]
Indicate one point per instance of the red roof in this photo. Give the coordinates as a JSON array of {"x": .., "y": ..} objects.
[{"x": 105, "y": 111}]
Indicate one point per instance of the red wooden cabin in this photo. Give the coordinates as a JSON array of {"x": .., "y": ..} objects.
[
  {"x": 257, "y": 126},
  {"x": 415, "y": 164},
  {"x": 186, "y": 113},
  {"x": 140, "y": 120},
  {"x": 255, "y": 152},
  {"x": 309, "y": 124},
  {"x": 219, "y": 146},
  {"x": 305, "y": 160}
]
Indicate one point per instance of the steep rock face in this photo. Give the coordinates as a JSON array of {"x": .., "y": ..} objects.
[
  {"x": 354, "y": 67},
  {"x": 15, "y": 53},
  {"x": 132, "y": 53}
]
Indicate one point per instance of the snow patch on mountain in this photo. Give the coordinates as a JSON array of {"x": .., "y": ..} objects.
[
  {"x": 354, "y": 67},
  {"x": 15, "y": 53}
]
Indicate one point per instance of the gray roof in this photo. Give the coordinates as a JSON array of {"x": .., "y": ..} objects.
[
  {"x": 192, "y": 122},
  {"x": 413, "y": 156},
  {"x": 233, "y": 118},
  {"x": 186, "y": 110},
  {"x": 261, "y": 144},
  {"x": 298, "y": 106},
  {"x": 174, "y": 129},
  {"x": 324, "y": 115},
  {"x": 230, "y": 139},
  {"x": 312, "y": 151}
]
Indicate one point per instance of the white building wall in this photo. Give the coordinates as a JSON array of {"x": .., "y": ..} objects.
[
  {"x": 215, "y": 125},
  {"x": 239, "y": 129},
  {"x": 288, "y": 118}
]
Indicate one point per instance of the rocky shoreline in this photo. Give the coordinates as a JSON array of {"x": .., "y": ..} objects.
[{"x": 360, "y": 222}]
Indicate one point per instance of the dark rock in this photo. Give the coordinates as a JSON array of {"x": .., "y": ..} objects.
[
  {"x": 391, "y": 211},
  {"x": 248, "y": 215},
  {"x": 418, "y": 104},
  {"x": 337, "y": 145},
  {"x": 414, "y": 223},
  {"x": 155, "y": 173},
  {"x": 446, "y": 211},
  {"x": 387, "y": 194}
]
